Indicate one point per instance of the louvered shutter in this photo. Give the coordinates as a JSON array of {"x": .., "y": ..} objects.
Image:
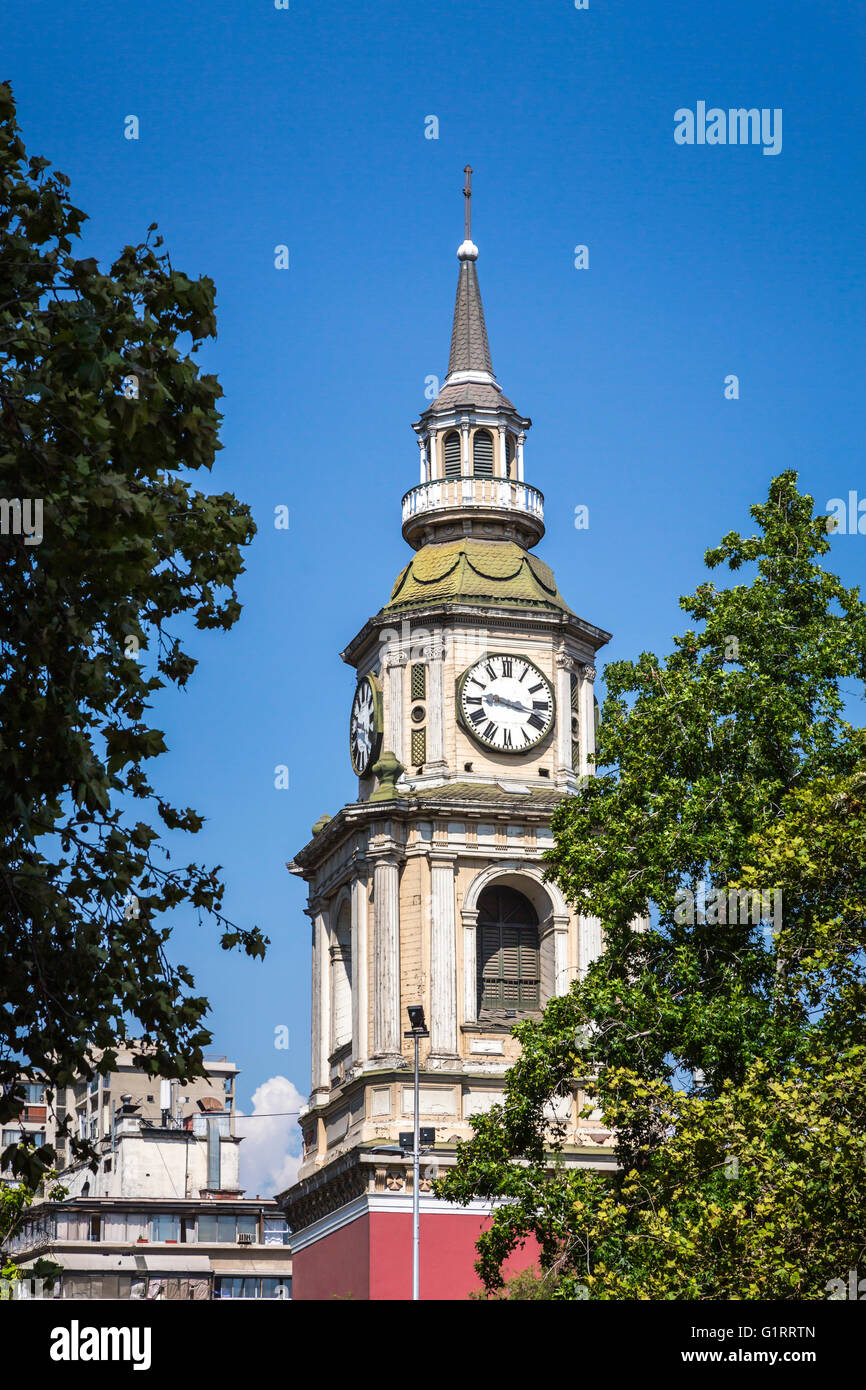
[
  {"x": 452, "y": 455},
  {"x": 529, "y": 981},
  {"x": 489, "y": 969},
  {"x": 508, "y": 955},
  {"x": 482, "y": 454}
]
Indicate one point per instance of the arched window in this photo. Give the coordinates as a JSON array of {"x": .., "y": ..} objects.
[
  {"x": 452, "y": 455},
  {"x": 508, "y": 952},
  {"x": 482, "y": 454},
  {"x": 341, "y": 980},
  {"x": 509, "y": 456}
]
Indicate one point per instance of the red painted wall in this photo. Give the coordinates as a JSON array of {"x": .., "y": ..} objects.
[
  {"x": 374, "y": 1253},
  {"x": 336, "y": 1266}
]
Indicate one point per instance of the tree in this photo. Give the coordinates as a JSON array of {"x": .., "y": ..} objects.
[
  {"x": 16, "y": 1199},
  {"x": 104, "y": 418},
  {"x": 724, "y": 1041}
]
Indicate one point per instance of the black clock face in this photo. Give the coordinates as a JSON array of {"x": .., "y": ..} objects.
[
  {"x": 506, "y": 703},
  {"x": 364, "y": 731}
]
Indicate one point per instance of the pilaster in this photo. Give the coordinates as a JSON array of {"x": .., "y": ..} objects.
[
  {"x": 386, "y": 959},
  {"x": 443, "y": 960},
  {"x": 321, "y": 1003},
  {"x": 587, "y": 720}
]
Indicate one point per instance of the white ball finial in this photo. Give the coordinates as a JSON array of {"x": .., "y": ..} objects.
[{"x": 467, "y": 251}]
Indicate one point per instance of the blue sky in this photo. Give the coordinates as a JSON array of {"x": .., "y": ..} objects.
[{"x": 306, "y": 127}]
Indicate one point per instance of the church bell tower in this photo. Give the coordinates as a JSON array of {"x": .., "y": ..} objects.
[{"x": 473, "y": 716}]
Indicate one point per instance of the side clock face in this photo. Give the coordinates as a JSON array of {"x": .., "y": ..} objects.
[
  {"x": 506, "y": 703},
  {"x": 365, "y": 727}
]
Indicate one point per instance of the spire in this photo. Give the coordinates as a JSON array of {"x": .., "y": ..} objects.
[{"x": 470, "y": 351}]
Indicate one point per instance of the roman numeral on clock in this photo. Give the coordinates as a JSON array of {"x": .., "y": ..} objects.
[
  {"x": 507, "y": 665},
  {"x": 536, "y": 721}
]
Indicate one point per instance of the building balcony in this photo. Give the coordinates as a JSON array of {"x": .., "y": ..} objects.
[{"x": 447, "y": 507}]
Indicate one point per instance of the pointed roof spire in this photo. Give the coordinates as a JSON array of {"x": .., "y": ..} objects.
[{"x": 470, "y": 350}]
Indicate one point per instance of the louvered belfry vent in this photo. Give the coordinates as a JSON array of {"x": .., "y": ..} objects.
[
  {"x": 508, "y": 952},
  {"x": 452, "y": 455},
  {"x": 482, "y": 454}
]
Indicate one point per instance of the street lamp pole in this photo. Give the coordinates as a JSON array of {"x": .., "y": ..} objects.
[
  {"x": 417, "y": 1031},
  {"x": 416, "y": 1189}
]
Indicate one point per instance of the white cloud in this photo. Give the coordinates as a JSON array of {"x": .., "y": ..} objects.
[{"x": 271, "y": 1151}]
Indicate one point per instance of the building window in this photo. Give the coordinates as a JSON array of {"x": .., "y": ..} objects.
[
  {"x": 248, "y": 1225},
  {"x": 482, "y": 454},
  {"x": 452, "y": 455},
  {"x": 34, "y": 1094},
  {"x": 217, "y": 1230},
  {"x": 508, "y": 952},
  {"x": 246, "y": 1286},
  {"x": 419, "y": 747},
  {"x": 276, "y": 1230},
  {"x": 164, "y": 1227},
  {"x": 419, "y": 681},
  {"x": 95, "y": 1228}
]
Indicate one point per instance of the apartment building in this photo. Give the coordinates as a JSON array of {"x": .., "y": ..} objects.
[
  {"x": 160, "y": 1248},
  {"x": 163, "y": 1215}
]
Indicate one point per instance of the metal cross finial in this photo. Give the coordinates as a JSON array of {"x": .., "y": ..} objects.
[{"x": 467, "y": 194}]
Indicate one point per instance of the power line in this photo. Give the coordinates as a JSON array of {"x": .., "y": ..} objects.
[{"x": 257, "y": 1115}]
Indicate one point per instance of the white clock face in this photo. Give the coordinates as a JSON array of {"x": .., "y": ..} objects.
[
  {"x": 506, "y": 703},
  {"x": 364, "y": 735}
]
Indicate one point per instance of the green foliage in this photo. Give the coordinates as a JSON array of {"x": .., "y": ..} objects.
[
  {"x": 15, "y": 1202},
  {"x": 127, "y": 545},
  {"x": 530, "y": 1285},
  {"x": 727, "y": 1055}
]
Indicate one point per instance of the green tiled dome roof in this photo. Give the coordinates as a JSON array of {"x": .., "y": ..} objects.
[{"x": 476, "y": 571}]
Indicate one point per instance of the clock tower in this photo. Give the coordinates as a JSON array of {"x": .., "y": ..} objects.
[{"x": 472, "y": 717}]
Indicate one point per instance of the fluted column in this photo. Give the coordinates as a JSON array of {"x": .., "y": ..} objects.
[
  {"x": 466, "y": 464},
  {"x": 470, "y": 966},
  {"x": 321, "y": 1001},
  {"x": 564, "y": 669},
  {"x": 502, "y": 470},
  {"x": 589, "y": 943},
  {"x": 435, "y": 657},
  {"x": 520, "y": 438},
  {"x": 561, "y": 973},
  {"x": 361, "y": 1048},
  {"x": 394, "y": 701},
  {"x": 587, "y": 720},
  {"x": 386, "y": 958},
  {"x": 443, "y": 959}
]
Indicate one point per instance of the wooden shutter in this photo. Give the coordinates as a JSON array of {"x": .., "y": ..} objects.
[
  {"x": 452, "y": 455},
  {"x": 508, "y": 953},
  {"x": 482, "y": 454}
]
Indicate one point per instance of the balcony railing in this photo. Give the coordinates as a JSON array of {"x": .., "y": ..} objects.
[{"x": 448, "y": 494}]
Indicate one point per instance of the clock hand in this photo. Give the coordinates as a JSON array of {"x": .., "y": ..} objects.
[{"x": 510, "y": 704}]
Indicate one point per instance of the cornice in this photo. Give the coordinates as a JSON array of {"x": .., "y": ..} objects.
[
  {"x": 477, "y": 615},
  {"x": 357, "y": 814}
]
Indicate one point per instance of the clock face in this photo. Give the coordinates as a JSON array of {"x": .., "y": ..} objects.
[
  {"x": 506, "y": 703},
  {"x": 365, "y": 727}
]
